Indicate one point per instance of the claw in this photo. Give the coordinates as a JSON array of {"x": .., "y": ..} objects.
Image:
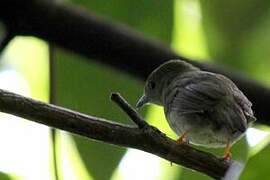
[
  {"x": 227, "y": 157},
  {"x": 183, "y": 138}
]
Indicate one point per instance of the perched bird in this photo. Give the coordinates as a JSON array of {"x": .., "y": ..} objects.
[{"x": 203, "y": 108}]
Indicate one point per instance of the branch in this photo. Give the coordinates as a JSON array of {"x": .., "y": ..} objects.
[
  {"x": 134, "y": 116},
  {"x": 112, "y": 44},
  {"x": 147, "y": 138}
]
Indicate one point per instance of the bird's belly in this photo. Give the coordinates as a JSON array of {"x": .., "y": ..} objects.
[{"x": 200, "y": 131}]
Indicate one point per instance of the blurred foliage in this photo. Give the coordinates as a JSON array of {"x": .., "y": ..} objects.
[
  {"x": 86, "y": 86},
  {"x": 188, "y": 35},
  {"x": 151, "y": 17},
  {"x": 32, "y": 50},
  {"x": 237, "y": 34},
  {"x": 156, "y": 117},
  {"x": 4, "y": 176},
  {"x": 264, "y": 131},
  {"x": 258, "y": 166},
  {"x": 25, "y": 148}
]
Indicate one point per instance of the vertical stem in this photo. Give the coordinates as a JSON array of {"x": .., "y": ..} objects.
[{"x": 52, "y": 100}]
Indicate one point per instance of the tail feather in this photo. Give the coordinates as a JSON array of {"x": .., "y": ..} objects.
[{"x": 233, "y": 116}]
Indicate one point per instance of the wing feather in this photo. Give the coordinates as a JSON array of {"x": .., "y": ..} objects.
[{"x": 210, "y": 97}]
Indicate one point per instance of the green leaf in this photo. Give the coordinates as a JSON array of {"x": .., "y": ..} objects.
[{"x": 257, "y": 166}]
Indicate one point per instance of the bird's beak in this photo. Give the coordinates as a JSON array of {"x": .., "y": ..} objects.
[{"x": 142, "y": 101}]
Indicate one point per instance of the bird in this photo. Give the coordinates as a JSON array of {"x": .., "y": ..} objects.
[{"x": 203, "y": 108}]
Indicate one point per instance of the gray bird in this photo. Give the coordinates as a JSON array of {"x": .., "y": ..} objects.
[{"x": 203, "y": 108}]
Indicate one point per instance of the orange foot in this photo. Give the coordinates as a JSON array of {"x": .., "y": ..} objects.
[
  {"x": 227, "y": 153},
  {"x": 183, "y": 138}
]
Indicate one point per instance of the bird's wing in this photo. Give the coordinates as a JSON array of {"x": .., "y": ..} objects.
[
  {"x": 245, "y": 104},
  {"x": 199, "y": 96},
  {"x": 241, "y": 100},
  {"x": 211, "y": 98}
]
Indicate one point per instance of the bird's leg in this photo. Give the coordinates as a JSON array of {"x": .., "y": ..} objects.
[
  {"x": 227, "y": 153},
  {"x": 183, "y": 138}
]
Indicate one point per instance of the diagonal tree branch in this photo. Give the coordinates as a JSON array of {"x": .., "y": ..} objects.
[
  {"x": 146, "y": 138},
  {"x": 82, "y": 32},
  {"x": 128, "y": 109}
]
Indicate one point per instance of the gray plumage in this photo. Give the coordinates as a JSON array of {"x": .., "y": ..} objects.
[{"x": 208, "y": 105}]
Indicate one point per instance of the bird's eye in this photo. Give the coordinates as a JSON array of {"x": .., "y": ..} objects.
[{"x": 152, "y": 85}]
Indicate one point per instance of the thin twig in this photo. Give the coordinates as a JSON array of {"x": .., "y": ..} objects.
[
  {"x": 146, "y": 139},
  {"x": 134, "y": 116}
]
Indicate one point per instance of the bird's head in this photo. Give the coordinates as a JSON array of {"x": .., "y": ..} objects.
[{"x": 160, "y": 78}]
